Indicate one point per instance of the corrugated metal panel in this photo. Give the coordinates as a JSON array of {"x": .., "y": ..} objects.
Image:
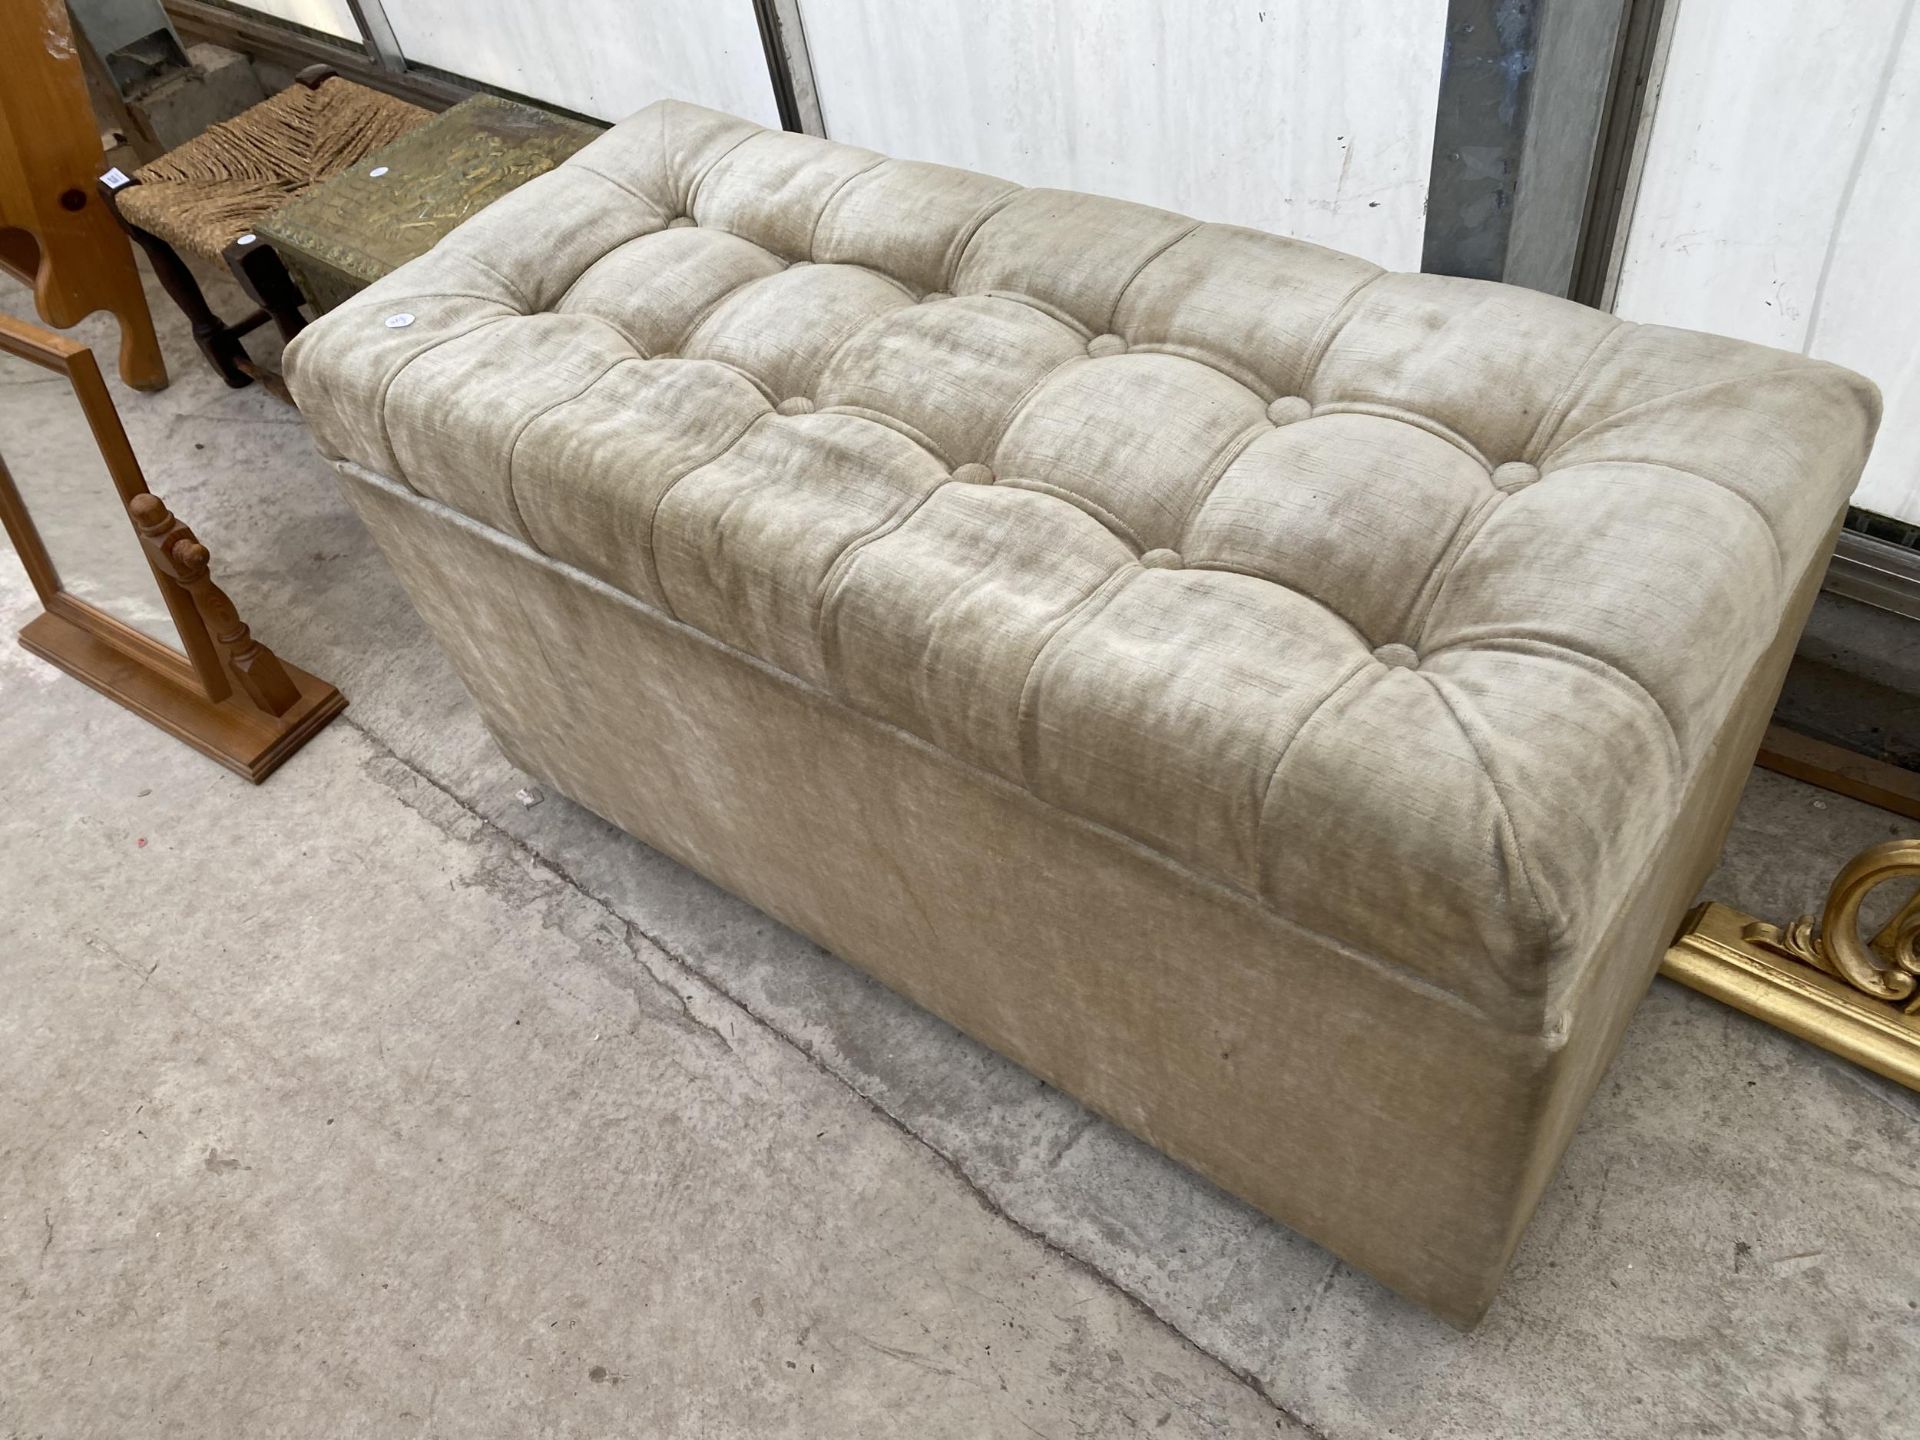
[
  {"x": 329, "y": 17},
  {"x": 1311, "y": 119},
  {"x": 604, "y": 58},
  {"x": 1868, "y": 316},
  {"x": 1779, "y": 198}
]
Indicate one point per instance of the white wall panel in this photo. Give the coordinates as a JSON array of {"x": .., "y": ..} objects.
[
  {"x": 1780, "y": 198},
  {"x": 1312, "y": 118},
  {"x": 1869, "y": 314},
  {"x": 604, "y": 58},
  {"x": 329, "y": 17}
]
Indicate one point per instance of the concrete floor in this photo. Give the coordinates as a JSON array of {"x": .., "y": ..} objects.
[{"x": 376, "y": 1102}]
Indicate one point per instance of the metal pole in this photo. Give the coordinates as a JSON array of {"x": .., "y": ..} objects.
[
  {"x": 789, "y": 66},
  {"x": 377, "y": 34},
  {"x": 1526, "y": 92}
]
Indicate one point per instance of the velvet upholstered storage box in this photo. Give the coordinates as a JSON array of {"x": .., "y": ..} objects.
[{"x": 1285, "y": 704}]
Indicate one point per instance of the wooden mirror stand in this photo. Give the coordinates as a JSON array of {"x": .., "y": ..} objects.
[{"x": 227, "y": 695}]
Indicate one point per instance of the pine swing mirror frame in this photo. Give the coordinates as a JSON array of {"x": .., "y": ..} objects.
[{"x": 223, "y": 692}]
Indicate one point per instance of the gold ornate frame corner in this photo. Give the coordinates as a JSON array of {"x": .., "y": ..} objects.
[{"x": 1858, "y": 999}]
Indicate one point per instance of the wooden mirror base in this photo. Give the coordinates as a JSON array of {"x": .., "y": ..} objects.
[{"x": 231, "y": 731}]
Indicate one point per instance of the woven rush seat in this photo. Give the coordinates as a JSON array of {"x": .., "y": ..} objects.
[
  {"x": 1284, "y": 702},
  {"x": 207, "y": 196},
  {"x": 202, "y": 195}
]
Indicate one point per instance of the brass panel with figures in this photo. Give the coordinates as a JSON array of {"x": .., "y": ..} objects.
[{"x": 348, "y": 231}]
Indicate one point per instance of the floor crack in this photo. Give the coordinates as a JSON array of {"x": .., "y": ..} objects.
[
  {"x": 678, "y": 1011},
  {"x": 981, "y": 1196},
  {"x": 1072, "y": 1138}
]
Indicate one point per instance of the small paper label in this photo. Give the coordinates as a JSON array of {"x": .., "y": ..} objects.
[{"x": 116, "y": 177}]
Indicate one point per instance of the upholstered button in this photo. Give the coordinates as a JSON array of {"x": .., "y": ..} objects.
[
  {"x": 1514, "y": 474},
  {"x": 681, "y": 222},
  {"x": 1162, "y": 560},
  {"x": 973, "y": 474},
  {"x": 934, "y": 295},
  {"x": 1289, "y": 408},
  {"x": 1400, "y": 657},
  {"x": 796, "y": 405},
  {"x": 1101, "y": 346}
]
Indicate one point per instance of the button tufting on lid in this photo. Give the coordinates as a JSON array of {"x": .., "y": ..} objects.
[
  {"x": 1101, "y": 346},
  {"x": 1515, "y": 474},
  {"x": 973, "y": 474},
  {"x": 1006, "y": 627},
  {"x": 681, "y": 222},
  {"x": 1397, "y": 656},
  {"x": 795, "y": 405}
]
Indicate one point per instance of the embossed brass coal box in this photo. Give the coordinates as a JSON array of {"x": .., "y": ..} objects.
[{"x": 349, "y": 231}]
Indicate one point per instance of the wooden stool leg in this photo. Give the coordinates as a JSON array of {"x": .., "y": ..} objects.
[
  {"x": 217, "y": 341},
  {"x": 263, "y": 276}
]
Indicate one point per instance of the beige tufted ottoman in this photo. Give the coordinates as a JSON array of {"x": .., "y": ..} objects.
[{"x": 1285, "y": 704}]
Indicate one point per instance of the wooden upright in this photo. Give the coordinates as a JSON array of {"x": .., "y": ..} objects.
[{"x": 55, "y": 232}]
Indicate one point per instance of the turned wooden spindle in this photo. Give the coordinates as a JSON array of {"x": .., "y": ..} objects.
[{"x": 255, "y": 669}]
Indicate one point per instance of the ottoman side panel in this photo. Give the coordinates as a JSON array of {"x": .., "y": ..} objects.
[
  {"x": 1366, "y": 1109},
  {"x": 1603, "y": 996}
]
